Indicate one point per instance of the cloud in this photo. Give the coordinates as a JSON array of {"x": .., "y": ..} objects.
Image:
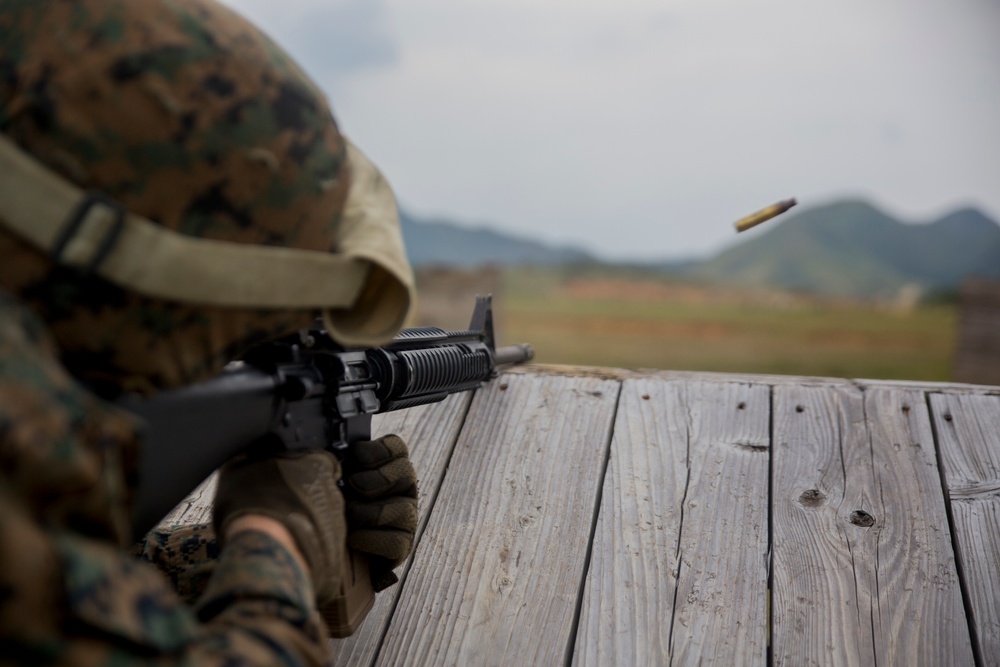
[{"x": 644, "y": 128}]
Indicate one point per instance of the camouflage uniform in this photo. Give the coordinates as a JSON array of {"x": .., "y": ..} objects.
[
  {"x": 69, "y": 593},
  {"x": 188, "y": 116},
  {"x": 187, "y": 555}
]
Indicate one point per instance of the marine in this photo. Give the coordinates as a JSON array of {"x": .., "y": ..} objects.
[{"x": 174, "y": 190}]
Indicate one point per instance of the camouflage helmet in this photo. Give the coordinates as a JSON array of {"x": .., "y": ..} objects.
[{"x": 173, "y": 188}]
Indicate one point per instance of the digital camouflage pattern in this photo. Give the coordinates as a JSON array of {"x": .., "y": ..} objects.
[
  {"x": 187, "y": 555},
  {"x": 186, "y": 114},
  {"x": 69, "y": 591}
]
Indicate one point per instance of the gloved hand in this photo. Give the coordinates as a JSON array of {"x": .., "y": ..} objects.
[
  {"x": 380, "y": 485},
  {"x": 299, "y": 490}
]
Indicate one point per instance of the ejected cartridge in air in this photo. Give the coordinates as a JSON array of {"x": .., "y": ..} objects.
[{"x": 763, "y": 215}]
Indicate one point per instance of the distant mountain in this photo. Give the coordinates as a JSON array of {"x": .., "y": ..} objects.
[
  {"x": 440, "y": 243},
  {"x": 852, "y": 249},
  {"x": 847, "y": 248}
]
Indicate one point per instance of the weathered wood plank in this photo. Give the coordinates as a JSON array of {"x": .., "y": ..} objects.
[
  {"x": 686, "y": 376},
  {"x": 430, "y": 432},
  {"x": 628, "y": 603},
  {"x": 497, "y": 574},
  {"x": 196, "y": 508},
  {"x": 927, "y": 387},
  {"x": 679, "y": 567},
  {"x": 977, "y": 527},
  {"x": 823, "y": 565},
  {"x": 749, "y": 378},
  {"x": 968, "y": 429},
  {"x": 917, "y": 580},
  {"x": 863, "y": 569},
  {"x": 498, "y": 570},
  {"x": 721, "y": 609}
]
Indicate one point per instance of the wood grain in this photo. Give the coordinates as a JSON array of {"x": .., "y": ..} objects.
[
  {"x": 679, "y": 569},
  {"x": 823, "y": 565},
  {"x": 968, "y": 429},
  {"x": 497, "y": 574},
  {"x": 750, "y": 378},
  {"x": 196, "y": 508},
  {"x": 863, "y": 569},
  {"x": 628, "y": 603},
  {"x": 917, "y": 581},
  {"x": 721, "y": 609}
]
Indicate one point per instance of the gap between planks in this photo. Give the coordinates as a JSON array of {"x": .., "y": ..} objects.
[{"x": 598, "y": 501}]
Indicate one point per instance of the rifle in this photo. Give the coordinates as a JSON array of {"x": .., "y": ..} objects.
[{"x": 303, "y": 392}]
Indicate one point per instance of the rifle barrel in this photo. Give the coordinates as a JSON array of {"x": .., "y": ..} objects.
[{"x": 513, "y": 354}]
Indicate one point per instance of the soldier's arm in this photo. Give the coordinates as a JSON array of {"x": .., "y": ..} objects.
[{"x": 71, "y": 594}]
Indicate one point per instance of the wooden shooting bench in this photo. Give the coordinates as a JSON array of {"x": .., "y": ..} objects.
[{"x": 583, "y": 516}]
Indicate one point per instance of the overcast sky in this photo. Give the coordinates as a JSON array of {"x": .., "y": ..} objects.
[{"x": 640, "y": 129}]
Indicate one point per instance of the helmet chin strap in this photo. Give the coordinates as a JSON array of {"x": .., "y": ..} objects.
[{"x": 92, "y": 233}]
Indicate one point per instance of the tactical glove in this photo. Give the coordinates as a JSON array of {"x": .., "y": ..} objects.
[
  {"x": 299, "y": 490},
  {"x": 381, "y": 489}
]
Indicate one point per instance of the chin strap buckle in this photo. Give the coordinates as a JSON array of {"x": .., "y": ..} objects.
[{"x": 90, "y": 232}]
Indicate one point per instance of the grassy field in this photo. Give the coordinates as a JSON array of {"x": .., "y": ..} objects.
[{"x": 642, "y": 322}]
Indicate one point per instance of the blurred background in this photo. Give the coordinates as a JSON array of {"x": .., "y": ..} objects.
[{"x": 584, "y": 161}]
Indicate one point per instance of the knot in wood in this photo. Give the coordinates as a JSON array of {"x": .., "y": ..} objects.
[
  {"x": 862, "y": 518},
  {"x": 812, "y": 498}
]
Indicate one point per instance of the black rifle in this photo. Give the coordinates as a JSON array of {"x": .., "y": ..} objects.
[{"x": 303, "y": 392}]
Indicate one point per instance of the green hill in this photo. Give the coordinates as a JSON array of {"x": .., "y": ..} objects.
[
  {"x": 852, "y": 249},
  {"x": 847, "y": 248},
  {"x": 440, "y": 243}
]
